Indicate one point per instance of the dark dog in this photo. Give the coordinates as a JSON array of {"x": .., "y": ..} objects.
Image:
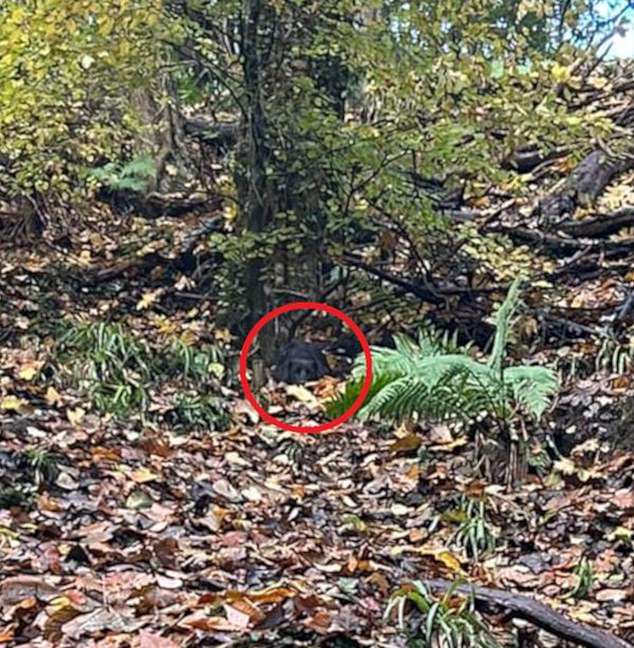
[{"x": 300, "y": 362}]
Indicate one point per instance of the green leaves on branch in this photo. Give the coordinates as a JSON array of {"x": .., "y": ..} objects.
[{"x": 69, "y": 72}]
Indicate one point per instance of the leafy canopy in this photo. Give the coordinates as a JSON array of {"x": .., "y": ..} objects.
[{"x": 68, "y": 73}]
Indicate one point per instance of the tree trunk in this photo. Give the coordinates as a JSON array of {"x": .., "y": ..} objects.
[{"x": 252, "y": 182}]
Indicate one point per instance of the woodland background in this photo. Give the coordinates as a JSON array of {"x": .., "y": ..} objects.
[{"x": 458, "y": 178}]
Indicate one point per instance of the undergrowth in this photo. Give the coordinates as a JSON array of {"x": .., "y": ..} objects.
[
  {"x": 434, "y": 379},
  {"x": 446, "y": 622},
  {"x": 124, "y": 375}
]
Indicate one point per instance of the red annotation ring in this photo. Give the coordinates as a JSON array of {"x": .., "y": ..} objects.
[{"x": 289, "y": 308}]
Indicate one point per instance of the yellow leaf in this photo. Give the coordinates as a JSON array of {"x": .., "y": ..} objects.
[
  {"x": 106, "y": 26},
  {"x": 148, "y": 299},
  {"x": 449, "y": 560},
  {"x": 188, "y": 337},
  {"x": 223, "y": 335},
  {"x": 164, "y": 325},
  {"x": 75, "y": 416},
  {"x": 16, "y": 16},
  {"x": 443, "y": 556},
  {"x": 12, "y": 403},
  {"x": 302, "y": 394},
  {"x": 409, "y": 443},
  {"x": 143, "y": 475},
  {"x": 53, "y": 397},
  {"x": 60, "y": 603},
  {"x": 560, "y": 73},
  {"x": 29, "y": 370}
]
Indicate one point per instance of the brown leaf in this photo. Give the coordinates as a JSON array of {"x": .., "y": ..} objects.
[
  {"x": 15, "y": 589},
  {"x": 200, "y": 621},
  {"x": 152, "y": 640},
  {"x": 409, "y": 443},
  {"x": 612, "y": 595},
  {"x": 623, "y": 499}
]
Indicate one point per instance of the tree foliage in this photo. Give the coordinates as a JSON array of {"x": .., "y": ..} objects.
[
  {"x": 363, "y": 110},
  {"x": 68, "y": 71}
]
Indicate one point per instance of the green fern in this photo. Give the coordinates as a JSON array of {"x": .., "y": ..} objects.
[
  {"x": 434, "y": 379},
  {"x": 133, "y": 175}
]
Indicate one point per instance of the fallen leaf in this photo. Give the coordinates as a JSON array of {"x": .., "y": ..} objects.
[
  {"x": 138, "y": 499},
  {"x": 303, "y": 395},
  {"x": 53, "y": 397},
  {"x": 143, "y": 475},
  {"x": 612, "y": 595},
  {"x": 149, "y": 298},
  {"x": 29, "y": 370},
  {"x": 409, "y": 443},
  {"x": 75, "y": 416},
  {"x": 12, "y": 403}
]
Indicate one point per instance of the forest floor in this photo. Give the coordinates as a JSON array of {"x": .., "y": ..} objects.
[{"x": 143, "y": 534}]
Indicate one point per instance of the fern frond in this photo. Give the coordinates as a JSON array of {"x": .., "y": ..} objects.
[
  {"x": 502, "y": 323},
  {"x": 140, "y": 167},
  {"x": 435, "y": 379},
  {"x": 533, "y": 387}
]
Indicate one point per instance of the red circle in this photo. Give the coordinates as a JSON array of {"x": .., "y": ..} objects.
[{"x": 289, "y": 308}]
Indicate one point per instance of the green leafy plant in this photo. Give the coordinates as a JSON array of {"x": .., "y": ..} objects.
[
  {"x": 475, "y": 534},
  {"x": 585, "y": 580},
  {"x": 433, "y": 379},
  {"x": 122, "y": 373},
  {"x": 196, "y": 410},
  {"x": 133, "y": 175},
  {"x": 192, "y": 363},
  {"x": 15, "y": 496},
  {"x": 445, "y": 622},
  {"x": 22, "y": 473},
  {"x": 44, "y": 465},
  {"x": 110, "y": 365},
  {"x": 614, "y": 356},
  {"x": 390, "y": 365}
]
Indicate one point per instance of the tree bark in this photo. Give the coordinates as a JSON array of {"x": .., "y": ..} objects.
[{"x": 252, "y": 182}]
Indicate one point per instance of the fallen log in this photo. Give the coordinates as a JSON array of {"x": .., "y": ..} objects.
[
  {"x": 560, "y": 245},
  {"x": 583, "y": 186},
  {"x": 601, "y": 226},
  {"x": 537, "y": 613},
  {"x": 526, "y": 158}
]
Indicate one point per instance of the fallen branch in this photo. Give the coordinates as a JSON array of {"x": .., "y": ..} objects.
[
  {"x": 537, "y": 613},
  {"x": 144, "y": 264},
  {"x": 602, "y": 226},
  {"x": 559, "y": 244},
  {"x": 425, "y": 294}
]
